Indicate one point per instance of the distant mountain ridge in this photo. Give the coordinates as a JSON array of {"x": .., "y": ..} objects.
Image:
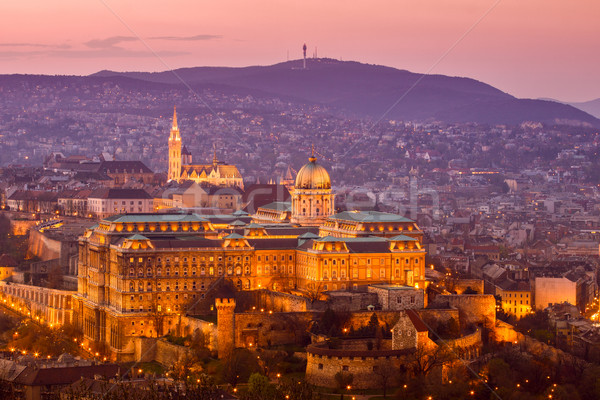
[
  {"x": 591, "y": 107},
  {"x": 370, "y": 90}
]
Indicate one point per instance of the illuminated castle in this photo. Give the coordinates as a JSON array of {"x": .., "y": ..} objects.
[{"x": 181, "y": 169}]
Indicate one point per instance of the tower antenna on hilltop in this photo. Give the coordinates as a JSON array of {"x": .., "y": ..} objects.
[{"x": 304, "y": 60}]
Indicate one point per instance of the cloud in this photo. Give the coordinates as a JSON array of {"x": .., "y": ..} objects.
[
  {"x": 115, "y": 52},
  {"x": 97, "y": 48},
  {"x": 187, "y": 38},
  {"x": 110, "y": 42},
  {"x": 55, "y": 46}
]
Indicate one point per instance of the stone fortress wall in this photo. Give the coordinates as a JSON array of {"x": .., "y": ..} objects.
[
  {"x": 463, "y": 284},
  {"x": 474, "y": 309},
  {"x": 353, "y": 358}
]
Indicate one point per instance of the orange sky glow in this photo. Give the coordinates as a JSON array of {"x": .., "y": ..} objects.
[{"x": 528, "y": 48}]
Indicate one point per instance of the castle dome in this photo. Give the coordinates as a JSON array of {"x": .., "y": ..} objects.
[{"x": 313, "y": 176}]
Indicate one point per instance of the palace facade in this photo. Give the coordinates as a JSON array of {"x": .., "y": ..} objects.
[{"x": 138, "y": 273}]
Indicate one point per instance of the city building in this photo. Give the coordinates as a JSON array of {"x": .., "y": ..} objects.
[
  {"x": 516, "y": 297},
  {"x": 312, "y": 199},
  {"x": 218, "y": 173},
  {"x": 104, "y": 202}
]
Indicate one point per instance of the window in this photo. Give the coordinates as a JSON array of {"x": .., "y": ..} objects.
[
  {"x": 345, "y": 368},
  {"x": 320, "y": 366}
]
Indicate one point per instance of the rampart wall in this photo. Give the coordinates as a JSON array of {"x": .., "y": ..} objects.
[{"x": 366, "y": 366}]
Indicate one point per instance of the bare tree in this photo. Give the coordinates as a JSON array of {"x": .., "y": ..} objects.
[
  {"x": 314, "y": 292},
  {"x": 385, "y": 373},
  {"x": 423, "y": 360}
]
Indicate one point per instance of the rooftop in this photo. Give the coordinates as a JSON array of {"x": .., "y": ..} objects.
[{"x": 369, "y": 216}]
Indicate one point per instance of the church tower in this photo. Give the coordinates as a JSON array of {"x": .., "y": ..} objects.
[
  {"x": 312, "y": 200},
  {"x": 174, "y": 150}
]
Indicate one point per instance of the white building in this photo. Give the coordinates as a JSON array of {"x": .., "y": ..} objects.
[{"x": 105, "y": 202}]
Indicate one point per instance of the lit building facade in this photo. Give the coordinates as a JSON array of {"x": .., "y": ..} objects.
[
  {"x": 139, "y": 273},
  {"x": 312, "y": 199},
  {"x": 217, "y": 173}
]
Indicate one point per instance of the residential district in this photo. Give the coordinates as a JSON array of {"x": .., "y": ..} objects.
[{"x": 122, "y": 275}]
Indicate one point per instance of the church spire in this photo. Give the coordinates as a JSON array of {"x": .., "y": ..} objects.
[
  {"x": 175, "y": 117},
  {"x": 215, "y": 160},
  {"x": 174, "y": 150}
]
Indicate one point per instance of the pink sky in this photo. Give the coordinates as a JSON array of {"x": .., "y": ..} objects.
[{"x": 533, "y": 48}]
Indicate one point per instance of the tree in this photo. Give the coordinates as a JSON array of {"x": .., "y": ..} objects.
[
  {"x": 499, "y": 373},
  {"x": 182, "y": 368},
  {"x": 295, "y": 390},
  {"x": 385, "y": 373},
  {"x": 314, "y": 292},
  {"x": 239, "y": 367},
  {"x": 199, "y": 344},
  {"x": 343, "y": 379},
  {"x": 270, "y": 359},
  {"x": 259, "y": 387},
  {"x": 423, "y": 360}
]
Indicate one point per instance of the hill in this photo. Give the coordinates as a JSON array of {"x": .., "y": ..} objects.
[
  {"x": 376, "y": 91},
  {"x": 591, "y": 107}
]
